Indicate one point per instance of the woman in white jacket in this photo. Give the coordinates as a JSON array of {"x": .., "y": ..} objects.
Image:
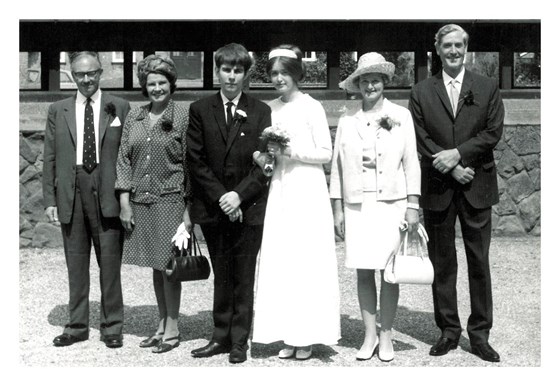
[{"x": 375, "y": 186}]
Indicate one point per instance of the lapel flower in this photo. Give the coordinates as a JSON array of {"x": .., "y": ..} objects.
[
  {"x": 468, "y": 98},
  {"x": 387, "y": 123},
  {"x": 166, "y": 124},
  {"x": 240, "y": 115},
  {"x": 110, "y": 109}
]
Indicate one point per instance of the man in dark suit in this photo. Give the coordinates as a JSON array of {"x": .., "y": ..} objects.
[
  {"x": 230, "y": 194},
  {"x": 458, "y": 116},
  {"x": 82, "y": 138}
]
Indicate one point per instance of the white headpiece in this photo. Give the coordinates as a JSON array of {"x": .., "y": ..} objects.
[{"x": 282, "y": 52}]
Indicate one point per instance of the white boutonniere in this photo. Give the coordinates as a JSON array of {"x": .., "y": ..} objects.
[{"x": 239, "y": 117}]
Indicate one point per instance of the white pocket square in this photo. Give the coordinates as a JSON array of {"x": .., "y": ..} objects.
[
  {"x": 242, "y": 134},
  {"x": 116, "y": 122}
]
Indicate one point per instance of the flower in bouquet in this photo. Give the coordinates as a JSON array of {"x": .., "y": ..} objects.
[
  {"x": 387, "y": 123},
  {"x": 276, "y": 134}
]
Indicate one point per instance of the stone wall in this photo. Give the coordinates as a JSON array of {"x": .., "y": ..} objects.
[{"x": 517, "y": 157}]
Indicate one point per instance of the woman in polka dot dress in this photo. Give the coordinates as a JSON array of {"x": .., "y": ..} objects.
[{"x": 155, "y": 194}]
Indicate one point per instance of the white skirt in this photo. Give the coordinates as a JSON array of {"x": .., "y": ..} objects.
[{"x": 372, "y": 232}]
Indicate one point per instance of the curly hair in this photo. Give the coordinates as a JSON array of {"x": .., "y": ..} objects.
[{"x": 155, "y": 64}]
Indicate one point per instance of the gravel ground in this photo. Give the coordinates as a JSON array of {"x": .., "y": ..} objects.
[{"x": 515, "y": 264}]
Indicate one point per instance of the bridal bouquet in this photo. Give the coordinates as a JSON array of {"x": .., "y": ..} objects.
[{"x": 277, "y": 135}]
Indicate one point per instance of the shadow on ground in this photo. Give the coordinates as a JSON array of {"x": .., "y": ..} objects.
[{"x": 142, "y": 321}]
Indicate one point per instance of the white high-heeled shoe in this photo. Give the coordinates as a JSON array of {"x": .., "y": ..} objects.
[
  {"x": 303, "y": 353},
  {"x": 388, "y": 356},
  {"x": 287, "y": 352},
  {"x": 361, "y": 356}
]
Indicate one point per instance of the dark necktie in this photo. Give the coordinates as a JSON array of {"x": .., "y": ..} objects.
[
  {"x": 89, "y": 159},
  {"x": 229, "y": 115}
]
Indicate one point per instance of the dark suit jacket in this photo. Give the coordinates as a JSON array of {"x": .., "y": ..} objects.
[
  {"x": 475, "y": 131},
  {"x": 59, "y": 156},
  {"x": 220, "y": 163}
]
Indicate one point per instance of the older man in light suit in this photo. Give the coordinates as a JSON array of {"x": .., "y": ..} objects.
[
  {"x": 458, "y": 116},
  {"x": 82, "y": 139}
]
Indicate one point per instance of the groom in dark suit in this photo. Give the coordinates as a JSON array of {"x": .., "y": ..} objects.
[
  {"x": 82, "y": 138},
  {"x": 458, "y": 116},
  {"x": 230, "y": 194}
]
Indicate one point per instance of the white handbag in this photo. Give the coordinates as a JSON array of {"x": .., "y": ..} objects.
[{"x": 405, "y": 268}]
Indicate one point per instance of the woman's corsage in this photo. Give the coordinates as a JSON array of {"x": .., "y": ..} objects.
[
  {"x": 468, "y": 98},
  {"x": 387, "y": 123},
  {"x": 166, "y": 124},
  {"x": 110, "y": 109}
]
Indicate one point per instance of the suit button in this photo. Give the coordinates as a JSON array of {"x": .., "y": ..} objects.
[
  {"x": 381, "y": 172},
  {"x": 380, "y": 190}
]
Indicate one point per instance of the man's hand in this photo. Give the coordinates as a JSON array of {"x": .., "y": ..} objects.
[
  {"x": 52, "y": 213},
  {"x": 462, "y": 175},
  {"x": 236, "y": 215},
  {"x": 446, "y": 160},
  {"x": 229, "y": 202}
]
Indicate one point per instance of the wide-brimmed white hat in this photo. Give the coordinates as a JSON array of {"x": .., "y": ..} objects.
[{"x": 368, "y": 63}]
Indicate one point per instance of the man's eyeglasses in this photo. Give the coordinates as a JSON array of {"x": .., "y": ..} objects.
[{"x": 90, "y": 74}]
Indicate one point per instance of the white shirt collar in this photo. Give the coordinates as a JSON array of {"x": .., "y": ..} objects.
[
  {"x": 226, "y": 100},
  {"x": 458, "y": 78},
  {"x": 81, "y": 99}
]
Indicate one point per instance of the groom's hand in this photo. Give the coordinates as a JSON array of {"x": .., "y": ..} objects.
[{"x": 229, "y": 202}]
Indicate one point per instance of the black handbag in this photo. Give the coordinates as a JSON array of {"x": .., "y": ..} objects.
[{"x": 188, "y": 264}]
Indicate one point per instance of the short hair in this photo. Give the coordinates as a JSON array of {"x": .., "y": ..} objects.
[
  {"x": 448, "y": 28},
  {"x": 233, "y": 54},
  {"x": 75, "y": 55},
  {"x": 294, "y": 67},
  {"x": 155, "y": 64}
]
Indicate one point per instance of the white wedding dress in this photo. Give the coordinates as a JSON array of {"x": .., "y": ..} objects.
[{"x": 297, "y": 292}]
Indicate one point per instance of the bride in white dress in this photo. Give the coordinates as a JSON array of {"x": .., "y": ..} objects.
[{"x": 297, "y": 299}]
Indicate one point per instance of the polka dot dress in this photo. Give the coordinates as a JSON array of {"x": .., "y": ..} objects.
[{"x": 152, "y": 167}]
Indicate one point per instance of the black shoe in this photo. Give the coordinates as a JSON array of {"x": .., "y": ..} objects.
[
  {"x": 237, "y": 355},
  {"x": 443, "y": 346},
  {"x": 485, "y": 352},
  {"x": 211, "y": 349},
  {"x": 112, "y": 341},
  {"x": 165, "y": 347},
  {"x": 152, "y": 341},
  {"x": 67, "y": 340}
]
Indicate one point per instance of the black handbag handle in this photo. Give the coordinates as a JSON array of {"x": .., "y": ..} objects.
[{"x": 193, "y": 245}]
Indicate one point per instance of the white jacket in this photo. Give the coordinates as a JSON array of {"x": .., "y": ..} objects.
[{"x": 397, "y": 166}]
